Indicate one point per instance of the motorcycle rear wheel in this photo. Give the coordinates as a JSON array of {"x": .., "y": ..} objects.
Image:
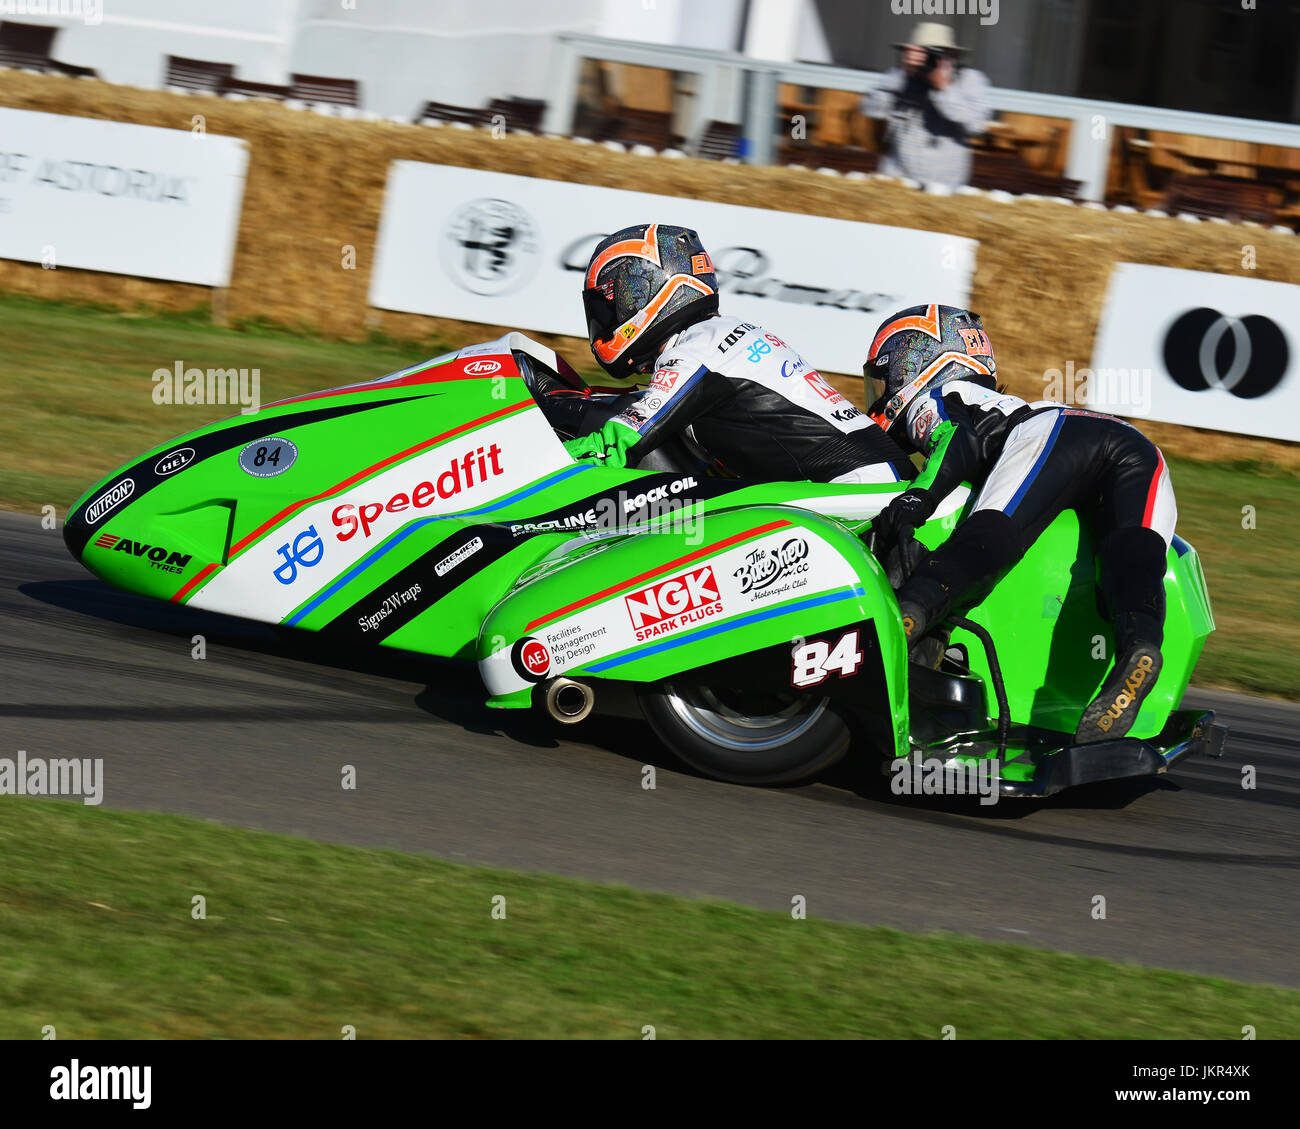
[{"x": 743, "y": 738}]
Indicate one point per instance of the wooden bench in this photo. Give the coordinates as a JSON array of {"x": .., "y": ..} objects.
[
  {"x": 325, "y": 91},
  {"x": 719, "y": 141},
  {"x": 1223, "y": 198},
  {"x": 445, "y": 112},
  {"x": 841, "y": 158},
  {"x": 1006, "y": 172},
  {"x": 254, "y": 89},
  {"x": 521, "y": 114},
  {"x": 197, "y": 74}
]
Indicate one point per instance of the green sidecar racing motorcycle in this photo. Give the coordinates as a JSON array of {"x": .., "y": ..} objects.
[{"x": 435, "y": 511}]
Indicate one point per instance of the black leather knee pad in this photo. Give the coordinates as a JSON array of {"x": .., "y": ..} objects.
[
  {"x": 983, "y": 546},
  {"x": 1133, "y": 563}
]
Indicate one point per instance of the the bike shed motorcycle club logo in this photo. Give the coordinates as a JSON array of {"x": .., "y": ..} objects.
[
  {"x": 490, "y": 247},
  {"x": 766, "y": 564},
  {"x": 531, "y": 659},
  {"x": 1245, "y": 356}
]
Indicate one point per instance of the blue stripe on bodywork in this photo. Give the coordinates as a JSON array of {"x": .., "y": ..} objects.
[
  {"x": 406, "y": 531},
  {"x": 727, "y": 625}
]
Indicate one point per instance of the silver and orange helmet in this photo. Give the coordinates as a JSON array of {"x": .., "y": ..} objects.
[
  {"x": 644, "y": 284},
  {"x": 920, "y": 348}
]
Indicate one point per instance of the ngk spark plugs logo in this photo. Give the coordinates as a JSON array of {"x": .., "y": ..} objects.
[{"x": 683, "y": 601}]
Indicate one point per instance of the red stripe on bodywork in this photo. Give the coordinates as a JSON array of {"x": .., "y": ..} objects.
[
  {"x": 434, "y": 375},
  {"x": 290, "y": 510},
  {"x": 669, "y": 567},
  {"x": 186, "y": 589},
  {"x": 1153, "y": 491}
]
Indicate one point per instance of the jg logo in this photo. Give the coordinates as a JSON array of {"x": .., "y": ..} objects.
[
  {"x": 307, "y": 550},
  {"x": 1205, "y": 349}
]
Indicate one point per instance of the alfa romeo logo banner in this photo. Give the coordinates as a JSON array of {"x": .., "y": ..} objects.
[
  {"x": 1212, "y": 350},
  {"x": 511, "y": 251}
]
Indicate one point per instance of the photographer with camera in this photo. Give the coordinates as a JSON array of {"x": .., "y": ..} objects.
[{"x": 930, "y": 106}]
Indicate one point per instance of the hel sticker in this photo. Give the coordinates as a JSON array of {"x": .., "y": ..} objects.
[
  {"x": 171, "y": 463},
  {"x": 265, "y": 458},
  {"x": 109, "y": 500},
  {"x": 531, "y": 659}
]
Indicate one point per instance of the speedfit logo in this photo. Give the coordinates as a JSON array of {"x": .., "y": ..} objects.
[{"x": 1245, "y": 356}]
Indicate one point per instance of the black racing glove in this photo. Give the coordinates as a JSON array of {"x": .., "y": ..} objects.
[{"x": 893, "y": 528}]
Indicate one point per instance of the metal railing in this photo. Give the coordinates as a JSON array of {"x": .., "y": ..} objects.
[{"x": 1092, "y": 123}]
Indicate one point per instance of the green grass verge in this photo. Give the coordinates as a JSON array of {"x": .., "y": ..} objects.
[
  {"x": 76, "y": 402},
  {"x": 302, "y": 938}
]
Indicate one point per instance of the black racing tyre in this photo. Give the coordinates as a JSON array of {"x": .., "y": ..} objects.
[{"x": 746, "y": 738}]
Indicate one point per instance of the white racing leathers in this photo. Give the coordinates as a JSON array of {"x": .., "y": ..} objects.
[{"x": 760, "y": 408}]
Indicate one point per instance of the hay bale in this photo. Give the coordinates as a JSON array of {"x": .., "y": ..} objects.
[{"x": 315, "y": 185}]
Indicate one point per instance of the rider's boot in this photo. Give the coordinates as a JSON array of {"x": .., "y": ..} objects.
[
  {"x": 922, "y": 602},
  {"x": 1132, "y": 571}
]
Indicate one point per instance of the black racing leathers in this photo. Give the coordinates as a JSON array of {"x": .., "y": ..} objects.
[{"x": 759, "y": 407}]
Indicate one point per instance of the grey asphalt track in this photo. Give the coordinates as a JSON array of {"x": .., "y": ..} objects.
[{"x": 1198, "y": 872}]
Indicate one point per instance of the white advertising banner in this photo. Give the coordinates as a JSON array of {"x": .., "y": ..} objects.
[
  {"x": 127, "y": 199},
  {"x": 511, "y": 250},
  {"x": 1205, "y": 350}
]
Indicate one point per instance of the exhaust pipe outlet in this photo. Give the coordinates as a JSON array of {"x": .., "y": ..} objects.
[{"x": 567, "y": 701}]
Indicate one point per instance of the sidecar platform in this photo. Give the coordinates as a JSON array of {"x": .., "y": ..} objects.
[{"x": 1036, "y": 763}]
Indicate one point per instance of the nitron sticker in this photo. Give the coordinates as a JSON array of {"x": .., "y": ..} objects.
[{"x": 109, "y": 500}]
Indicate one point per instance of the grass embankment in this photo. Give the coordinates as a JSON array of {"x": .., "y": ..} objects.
[{"x": 302, "y": 938}]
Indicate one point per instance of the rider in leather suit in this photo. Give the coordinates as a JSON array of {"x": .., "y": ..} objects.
[
  {"x": 1027, "y": 462},
  {"x": 651, "y": 298}
]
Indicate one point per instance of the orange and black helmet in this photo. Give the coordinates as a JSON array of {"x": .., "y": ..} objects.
[
  {"x": 920, "y": 348},
  {"x": 644, "y": 284}
]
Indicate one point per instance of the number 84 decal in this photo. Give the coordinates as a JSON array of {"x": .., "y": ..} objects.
[{"x": 815, "y": 661}]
